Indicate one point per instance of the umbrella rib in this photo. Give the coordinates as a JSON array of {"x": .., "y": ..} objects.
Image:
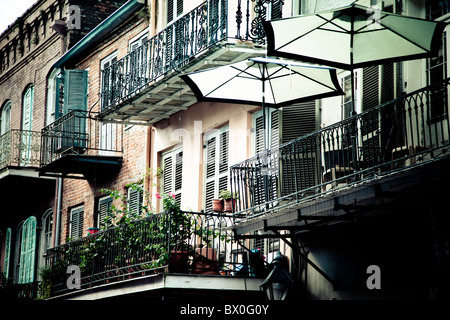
[
  {"x": 312, "y": 30},
  {"x": 225, "y": 82},
  {"x": 387, "y": 28},
  {"x": 311, "y": 79}
]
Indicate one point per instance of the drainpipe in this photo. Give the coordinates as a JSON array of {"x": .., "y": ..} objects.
[{"x": 58, "y": 211}]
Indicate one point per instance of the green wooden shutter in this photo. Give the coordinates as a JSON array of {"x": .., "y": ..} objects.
[
  {"x": 27, "y": 251},
  {"x": 104, "y": 205},
  {"x": 135, "y": 200},
  {"x": 75, "y": 89},
  {"x": 7, "y": 253},
  {"x": 77, "y": 223}
]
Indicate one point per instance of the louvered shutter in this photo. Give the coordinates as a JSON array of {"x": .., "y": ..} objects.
[
  {"x": 370, "y": 122},
  {"x": 27, "y": 117},
  {"x": 135, "y": 200},
  {"x": 272, "y": 132},
  {"x": 217, "y": 150},
  {"x": 169, "y": 8},
  {"x": 75, "y": 90},
  {"x": 297, "y": 120},
  {"x": 77, "y": 223},
  {"x": 6, "y": 261},
  {"x": 27, "y": 251},
  {"x": 173, "y": 173},
  {"x": 104, "y": 206}
]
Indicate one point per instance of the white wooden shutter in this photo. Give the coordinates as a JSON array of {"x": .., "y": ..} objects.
[
  {"x": 76, "y": 222},
  {"x": 216, "y": 165},
  {"x": 172, "y": 162},
  {"x": 272, "y": 132}
]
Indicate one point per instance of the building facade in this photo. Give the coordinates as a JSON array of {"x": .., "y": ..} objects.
[{"x": 354, "y": 219}]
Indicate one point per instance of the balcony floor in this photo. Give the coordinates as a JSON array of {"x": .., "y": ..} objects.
[
  {"x": 172, "y": 286},
  {"x": 398, "y": 191},
  {"x": 82, "y": 166}
]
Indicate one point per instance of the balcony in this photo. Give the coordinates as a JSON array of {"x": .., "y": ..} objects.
[
  {"x": 77, "y": 145},
  {"x": 20, "y": 150},
  {"x": 141, "y": 257},
  {"x": 406, "y": 133},
  {"x": 143, "y": 87}
]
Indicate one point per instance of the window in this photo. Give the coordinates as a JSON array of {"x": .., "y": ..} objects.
[
  {"x": 52, "y": 102},
  {"x": 272, "y": 130},
  {"x": 103, "y": 209},
  {"x": 346, "y": 99},
  {"x": 27, "y": 108},
  {"x": 437, "y": 72},
  {"x": 46, "y": 232},
  {"x": 137, "y": 41},
  {"x": 216, "y": 165},
  {"x": 174, "y": 9},
  {"x": 107, "y": 130},
  {"x": 27, "y": 251},
  {"x": 5, "y": 119},
  {"x": 27, "y": 117},
  {"x": 172, "y": 163},
  {"x": 76, "y": 222}
]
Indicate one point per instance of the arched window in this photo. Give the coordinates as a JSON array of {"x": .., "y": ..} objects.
[
  {"x": 5, "y": 119},
  {"x": 46, "y": 234}
]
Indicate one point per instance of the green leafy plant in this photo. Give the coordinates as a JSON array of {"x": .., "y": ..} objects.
[{"x": 227, "y": 195}]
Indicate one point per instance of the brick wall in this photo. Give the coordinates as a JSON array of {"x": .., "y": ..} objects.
[{"x": 87, "y": 192}]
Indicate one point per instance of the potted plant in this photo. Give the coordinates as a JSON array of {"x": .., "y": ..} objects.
[
  {"x": 229, "y": 200},
  {"x": 179, "y": 227}
]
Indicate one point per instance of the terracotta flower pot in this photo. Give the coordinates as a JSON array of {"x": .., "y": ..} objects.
[
  {"x": 217, "y": 205},
  {"x": 228, "y": 205},
  {"x": 178, "y": 262}
]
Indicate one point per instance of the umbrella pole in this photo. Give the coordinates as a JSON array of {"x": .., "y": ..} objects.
[{"x": 265, "y": 153}]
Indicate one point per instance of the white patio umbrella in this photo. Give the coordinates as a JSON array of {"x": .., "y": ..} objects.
[
  {"x": 265, "y": 82},
  {"x": 352, "y": 37}
]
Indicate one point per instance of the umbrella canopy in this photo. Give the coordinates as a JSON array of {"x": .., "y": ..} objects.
[
  {"x": 352, "y": 37},
  {"x": 264, "y": 81}
]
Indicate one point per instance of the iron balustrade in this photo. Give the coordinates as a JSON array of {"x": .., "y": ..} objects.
[
  {"x": 20, "y": 148},
  {"x": 144, "y": 245},
  {"x": 410, "y": 130},
  {"x": 80, "y": 132},
  {"x": 197, "y": 31}
]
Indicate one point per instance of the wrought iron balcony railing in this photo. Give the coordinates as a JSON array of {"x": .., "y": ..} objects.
[
  {"x": 407, "y": 131},
  {"x": 199, "y": 30},
  {"x": 151, "y": 243},
  {"x": 20, "y": 148},
  {"x": 79, "y": 132}
]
